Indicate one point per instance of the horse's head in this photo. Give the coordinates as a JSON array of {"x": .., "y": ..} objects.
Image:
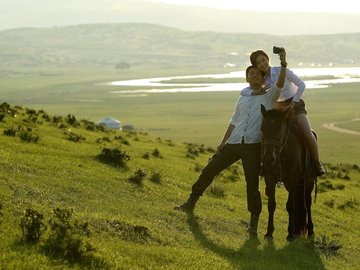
[{"x": 272, "y": 128}]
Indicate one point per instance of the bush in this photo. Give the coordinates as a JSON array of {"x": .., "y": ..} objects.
[
  {"x": 28, "y": 136},
  {"x": 156, "y": 177},
  {"x": 114, "y": 157},
  {"x": 88, "y": 125},
  {"x": 122, "y": 140},
  {"x": 74, "y": 137},
  {"x": 10, "y": 132},
  {"x": 66, "y": 238},
  {"x": 127, "y": 232},
  {"x": 146, "y": 155},
  {"x": 349, "y": 204},
  {"x": 217, "y": 191},
  {"x": 198, "y": 167},
  {"x": 31, "y": 225},
  {"x": 71, "y": 120},
  {"x": 103, "y": 139},
  {"x": 327, "y": 246},
  {"x": 156, "y": 153},
  {"x": 330, "y": 203},
  {"x": 138, "y": 177},
  {"x": 1, "y": 214}
]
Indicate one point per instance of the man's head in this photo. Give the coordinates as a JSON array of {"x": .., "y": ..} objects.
[{"x": 254, "y": 77}]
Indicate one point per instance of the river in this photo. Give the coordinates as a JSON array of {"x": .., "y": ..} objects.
[{"x": 341, "y": 75}]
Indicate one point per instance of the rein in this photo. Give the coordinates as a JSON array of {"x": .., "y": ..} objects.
[{"x": 280, "y": 144}]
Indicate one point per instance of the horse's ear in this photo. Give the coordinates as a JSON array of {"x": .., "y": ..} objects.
[{"x": 263, "y": 110}]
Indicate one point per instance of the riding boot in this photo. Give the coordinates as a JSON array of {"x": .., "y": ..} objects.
[
  {"x": 254, "y": 221},
  {"x": 189, "y": 205},
  {"x": 319, "y": 171}
]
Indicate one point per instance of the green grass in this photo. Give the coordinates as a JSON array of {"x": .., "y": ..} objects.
[{"x": 56, "y": 172}]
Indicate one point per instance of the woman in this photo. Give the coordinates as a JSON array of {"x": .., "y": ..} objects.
[{"x": 294, "y": 88}]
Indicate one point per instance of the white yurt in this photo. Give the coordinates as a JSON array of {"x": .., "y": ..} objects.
[{"x": 110, "y": 123}]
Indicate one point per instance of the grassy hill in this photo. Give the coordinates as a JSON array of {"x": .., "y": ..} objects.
[
  {"x": 52, "y": 165},
  {"x": 147, "y": 45}
]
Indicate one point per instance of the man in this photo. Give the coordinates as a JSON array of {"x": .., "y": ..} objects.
[{"x": 242, "y": 140}]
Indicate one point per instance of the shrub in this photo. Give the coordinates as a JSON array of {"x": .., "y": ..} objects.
[
  {"x": 88, "y": 125},
  {"x": 122, "y": 140},
  {"x": 156, "y": 177},
  {"x": 1, "y": 213},
  {"x": 156, "y": 153},
  {"x": 58, "y": 119},
  {"x": 330, "y": 203},
  {"x": 103, "y": 139},
  {"x": 127, "y": 232},
  {"x": 31, "y": 225},
  {"x": 138, "y": 177},
  {"x": 114, "y": 157},
  {"x": 71, "y": 120},
  {"x": 2, "y": 116},
  {"x": 198, "y": 167},
  {"x": 10, "y": 132},
  {"x": 146, "y": 155},
  {"x": 74, "y": 137},
  {"x": 28, "y": 136},
  {"x": 217, "y": 191},
  {"x": 327, "y": 246},
  {"x": 349, "y": 204},
  {"x": 66, "y": 239}
]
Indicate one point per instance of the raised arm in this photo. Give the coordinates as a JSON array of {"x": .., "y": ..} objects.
[
  {"x": 281, "y": 79},
  {"x": 282, "y": 76}
]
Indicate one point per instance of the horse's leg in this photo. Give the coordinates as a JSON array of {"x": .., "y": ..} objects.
[
  {"x": 270, "y": 186},
  {"x": 290, "y": 207},
  {"x": 300, "y": 212},
  {"x": 310, "y": 225}
]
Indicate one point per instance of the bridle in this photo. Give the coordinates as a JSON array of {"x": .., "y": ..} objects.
[{"x": 279, "y": 144}]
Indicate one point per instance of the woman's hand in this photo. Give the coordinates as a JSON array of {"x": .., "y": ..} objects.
[
  {"x": 282, "y": 57},
  {"x": 262, "y": 90}
]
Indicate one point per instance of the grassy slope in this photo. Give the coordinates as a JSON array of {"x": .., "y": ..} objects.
[{"x": 57, "y": 172}]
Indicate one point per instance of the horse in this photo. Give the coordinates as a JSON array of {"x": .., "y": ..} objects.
[{"x": 284, "y": 158}]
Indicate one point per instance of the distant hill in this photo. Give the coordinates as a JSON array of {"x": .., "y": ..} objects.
[
  {"x": 40, "y": 13},
  {"x": 154, "y": 45}
]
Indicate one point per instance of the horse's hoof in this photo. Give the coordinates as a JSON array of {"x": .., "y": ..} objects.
[
  {"x": 311, "y": 236},
  {"x": 290, "y": 238}
]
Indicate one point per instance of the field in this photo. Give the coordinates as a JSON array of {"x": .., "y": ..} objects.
[
  {"x": 182, "y": 117},
  {"x": 132, "y": 224}
]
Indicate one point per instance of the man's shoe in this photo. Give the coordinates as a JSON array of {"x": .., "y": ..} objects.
[{"x": 189, "y": 205}]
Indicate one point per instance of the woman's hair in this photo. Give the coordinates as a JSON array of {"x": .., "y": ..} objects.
[{"x": 254, "y": 56}]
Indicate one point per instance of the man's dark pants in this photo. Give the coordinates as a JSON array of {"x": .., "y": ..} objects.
[{"x": 250, "y": 156}]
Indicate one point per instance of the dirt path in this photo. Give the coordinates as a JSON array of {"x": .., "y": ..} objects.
[{"x": 332, "y": 127}]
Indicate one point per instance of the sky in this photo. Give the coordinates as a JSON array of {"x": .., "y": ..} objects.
[{"x": 310, "y": 6}]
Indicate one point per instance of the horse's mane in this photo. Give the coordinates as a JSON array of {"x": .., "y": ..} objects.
[{"x": 273, "y": 113}]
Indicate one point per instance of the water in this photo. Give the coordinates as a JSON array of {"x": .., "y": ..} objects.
[{"x": 343, "y": 75}]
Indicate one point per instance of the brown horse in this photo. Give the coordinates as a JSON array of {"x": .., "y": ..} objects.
[{"x": 284, "y": 158}]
